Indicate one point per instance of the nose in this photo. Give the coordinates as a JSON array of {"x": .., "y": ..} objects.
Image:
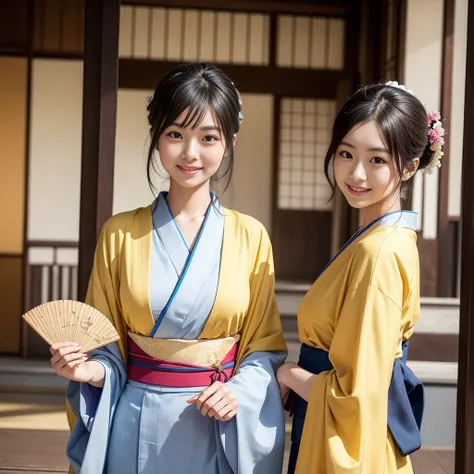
[
  {"x": 190, "y": 150},
  {"x": 358, "y": 172}
]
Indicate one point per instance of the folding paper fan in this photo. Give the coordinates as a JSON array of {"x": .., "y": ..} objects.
[{"x": 71, "y": 321}]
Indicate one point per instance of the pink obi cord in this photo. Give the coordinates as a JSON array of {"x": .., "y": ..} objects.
[{"x": 146, "y": 369}]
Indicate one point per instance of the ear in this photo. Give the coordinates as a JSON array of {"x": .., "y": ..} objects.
[
  {"x": 411, "y": 169},
  {"x": 234, "y": 141}
]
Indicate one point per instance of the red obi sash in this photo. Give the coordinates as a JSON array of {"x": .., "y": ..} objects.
[{"x": 146, "y": 369}]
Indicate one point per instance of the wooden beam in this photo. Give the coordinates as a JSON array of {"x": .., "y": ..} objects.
[
  {"x": 27, "y": 334},
  {"x": 402, "y": 12},
  {"x": 309, "y": 7},
  {"x": 464, "y": 460},
  {"x": 288, "y": 82},
  {"x": 447, "y": 248},
  {"x": 98, "y": 127},
  {"x": 370, "y": 41}
]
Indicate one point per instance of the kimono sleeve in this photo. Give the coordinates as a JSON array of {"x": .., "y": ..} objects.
[
  {"x": 262, "y": 329},
  {"x": 103, "y": 289},
  {"x": 90, "y": 409},
  {"x": 345, "y": 427}
]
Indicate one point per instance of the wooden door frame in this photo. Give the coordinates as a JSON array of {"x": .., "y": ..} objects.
[
  {"x": 447, "y": 262},
  {"x": 464, "y": 458}
]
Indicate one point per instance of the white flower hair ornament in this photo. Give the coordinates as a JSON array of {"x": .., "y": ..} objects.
[
  {"x": 435, "y": 133},
  {"x": 399, "y": 86}
]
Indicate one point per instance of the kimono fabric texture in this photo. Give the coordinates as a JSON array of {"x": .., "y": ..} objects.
[
  {"x": 152, "y": 286},
  {"x": 365, "y": 405}
]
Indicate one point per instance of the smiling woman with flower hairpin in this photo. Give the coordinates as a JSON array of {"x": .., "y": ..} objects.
[{"x": 357, "y": 405}]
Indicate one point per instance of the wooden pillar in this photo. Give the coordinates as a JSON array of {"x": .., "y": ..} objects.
[
  {"x": 465, "y": 399},
  {"x": 98, "y": 127},
  {"x": 447, "y": 244},
  {"x": 28, "y": 336}
]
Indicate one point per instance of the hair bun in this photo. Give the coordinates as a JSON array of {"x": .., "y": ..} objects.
[{"x": 427, "y": 157}]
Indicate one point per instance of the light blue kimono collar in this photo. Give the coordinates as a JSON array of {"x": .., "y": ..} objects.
[
  {"x": 189, "y": 265},
  {"x": 407, "y": 219}
]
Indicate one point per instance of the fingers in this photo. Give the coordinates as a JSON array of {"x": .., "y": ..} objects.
[
  {"x": 60, "y": 345},
  {"x": 209, "y": 404},
  {"x": 66, "y": 358},
  {"x": 193, "y": 399},
  {"x": 64, "y": 351},
  {"x": 69, "y": 369},
  {"x": 226, "y": 416},
  {"x": 217, "y": 407},
  {"x": 225, "y": 409},
  {"x": 206, "y": 393},
  {"x": 216, "y": 401},
  {"x": 71, "y": 360},
  {"x": 71, "y": 366},
  {"x": 284, "y": 391}
]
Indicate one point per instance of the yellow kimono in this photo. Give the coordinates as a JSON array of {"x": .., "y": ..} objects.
[
  {"x": 360, "y": 310},
  {"x": 244, "y": 305},
  {"x": 120, "y": 290}
]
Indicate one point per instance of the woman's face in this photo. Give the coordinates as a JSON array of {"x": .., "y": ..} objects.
[
  {"x": 192, "y": 156},
  {"x": 365, "y": 171}
]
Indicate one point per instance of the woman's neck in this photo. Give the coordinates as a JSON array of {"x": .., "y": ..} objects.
[
  {"x": 370, "y": 213},
  {"x": 188, "y": 203}
]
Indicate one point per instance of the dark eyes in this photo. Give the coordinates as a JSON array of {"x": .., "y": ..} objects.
[
  {"x": 376, "y": 159},
  {"x": 209, "y": 139},
  {"x": 206, "y": 139}
]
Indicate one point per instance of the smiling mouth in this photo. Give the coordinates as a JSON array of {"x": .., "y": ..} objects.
[
  {"x": 356, "y": 190},
  {"x": 189, "y": 169}
]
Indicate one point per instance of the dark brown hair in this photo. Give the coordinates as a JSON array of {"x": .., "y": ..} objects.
[
  {"x": 401, "y": 118},
  {"x": 195, "y": 88}
]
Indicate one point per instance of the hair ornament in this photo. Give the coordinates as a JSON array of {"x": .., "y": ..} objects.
[
  {"x": 435, "y": 133},
  {"x": 436, "y": 140},
  {"x": 399, "y": 86},
  {"x": 241, "y": 116}
]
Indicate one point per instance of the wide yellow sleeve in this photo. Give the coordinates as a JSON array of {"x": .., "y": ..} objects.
[
  {"x": 262, "y": 330},
  {"x": 345, "y": 429},
  {"x": 103, "y": 289}
]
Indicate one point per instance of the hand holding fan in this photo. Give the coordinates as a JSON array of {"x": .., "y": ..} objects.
[{"x": 71, "y": 321}]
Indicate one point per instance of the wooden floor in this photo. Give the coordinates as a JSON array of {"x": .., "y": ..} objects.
[
  {"x": 33, "y": 451},
  {"x": 33, "y": 435},
  {"x": 431, "y": 461}
]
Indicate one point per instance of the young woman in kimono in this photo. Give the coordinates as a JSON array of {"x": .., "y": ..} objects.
[
  {"x": 191, "y": 385},
  {"x": 357, "y": 406}
]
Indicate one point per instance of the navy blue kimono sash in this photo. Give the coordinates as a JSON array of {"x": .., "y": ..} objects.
[{"x": 405, "y": 402}]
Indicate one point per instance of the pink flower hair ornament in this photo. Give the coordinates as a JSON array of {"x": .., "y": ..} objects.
[
  {"x": 435, "y": 133},
  {"x": 436, "y": 140}
]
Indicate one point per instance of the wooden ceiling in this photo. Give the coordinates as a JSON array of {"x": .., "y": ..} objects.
[{"x": 301, "y": 7}]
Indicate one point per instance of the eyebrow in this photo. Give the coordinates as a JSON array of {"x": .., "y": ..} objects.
[
  {"x": 379, "y": 149},
  {"x": 207, "y": 128}
]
